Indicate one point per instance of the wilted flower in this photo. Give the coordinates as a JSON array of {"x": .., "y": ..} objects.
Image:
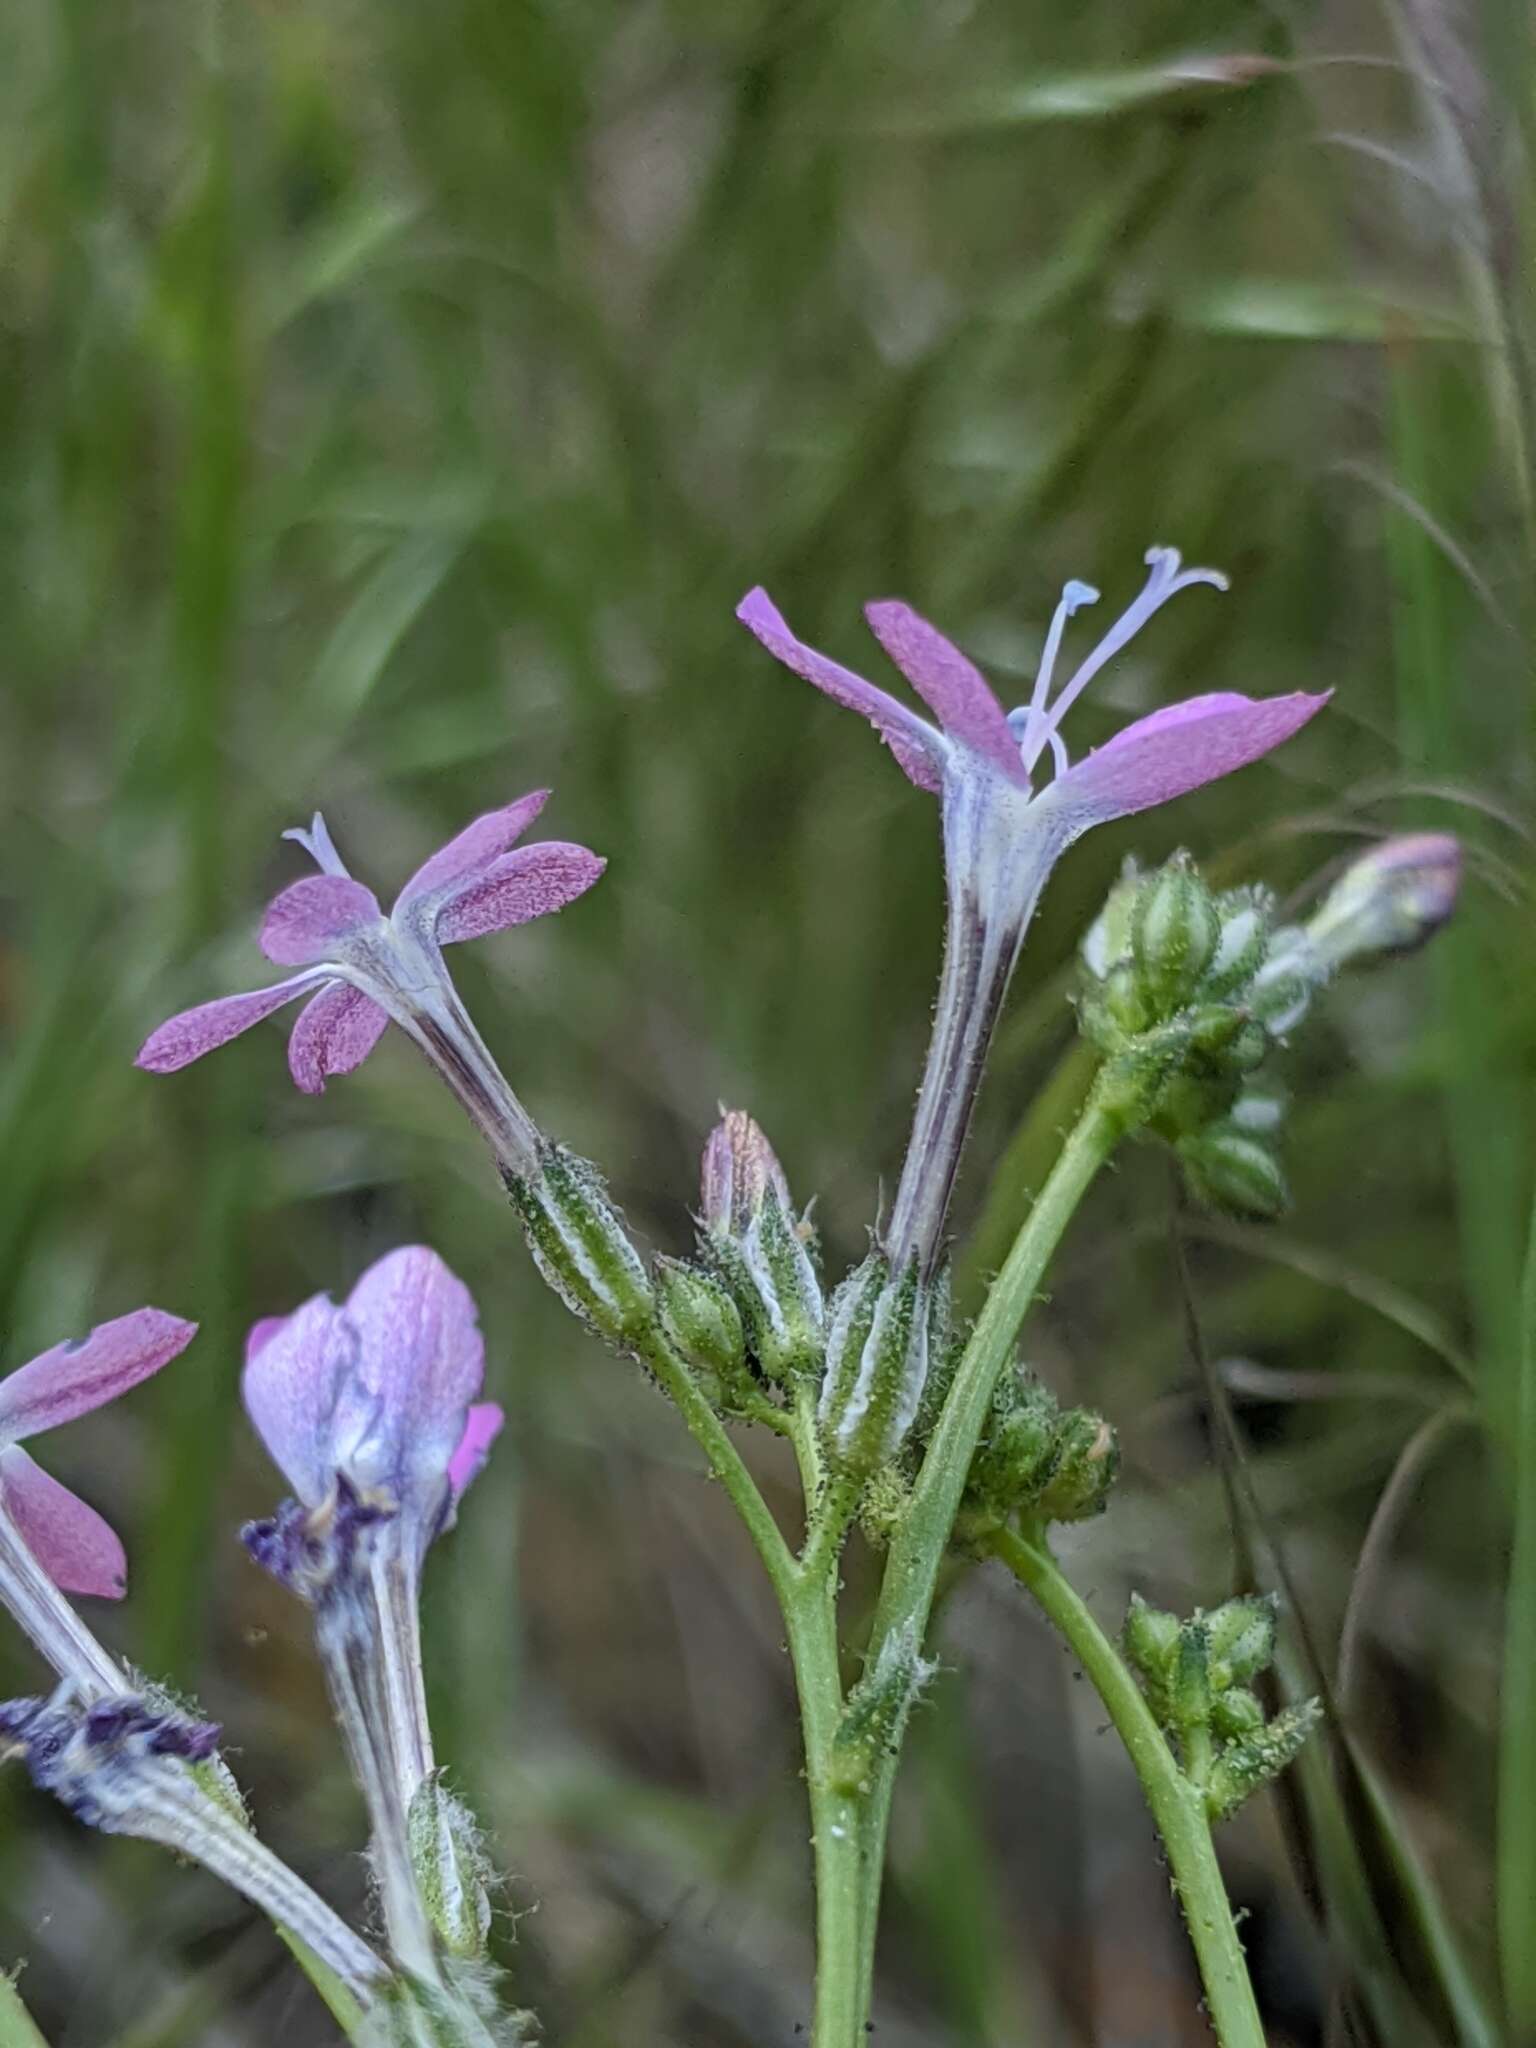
[
  {"x": 1390, "y": 900},
  {"x": 369, "y": 1411},
  {"x": 361, "y": 969},
  {"x": 50, "y": 1540},
  {"x": 128, "y": 1766},
  {"x": 1002, "y": 836}
]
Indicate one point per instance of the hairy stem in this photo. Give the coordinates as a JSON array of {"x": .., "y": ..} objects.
[
  {"x": 1177, "y": 1806},
  {"x": 917, "y": 1551}
]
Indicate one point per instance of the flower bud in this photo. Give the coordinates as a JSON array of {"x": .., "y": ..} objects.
[
  {"x": 700, "y": 1320},
  {"x": 1151, "y": 1640},
  {"x": 1232, "y": 1171},
  {"x": 1107, "y": 940},
  {"x": 1242, "y": 1638},
  {"x": 1236, "y": 1712},
  {"x": 738, "y": 1171},
  {"x": 1087, "y": 1459},
  {"x": 580, "y": 1245},
  {"x": 760, "y": 1250},
  {"x": 1175, "y": 930},
  {"x": 1246, "y": 916},
  {"x": 1253, "y": 1760},
  {"x": 1391, "y": 900},
  {"x": 1281, "y": 991},
  {"x": 867, "y": 1410},
  {"x": 453, "y": 1873},
  {"x": 1019, "y": 1452}
]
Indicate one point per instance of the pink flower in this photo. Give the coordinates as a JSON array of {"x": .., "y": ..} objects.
[
  {"x": 360, "y": 969},
  {"x": 379, "y": 1393},
  {"x": 1002, "y": 834},
  {"x": 71, "y": 1542}
]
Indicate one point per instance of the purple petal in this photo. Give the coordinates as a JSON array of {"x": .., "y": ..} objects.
[
  {"x": 952, "y": 687},
  {"x": 72, "y": 1379},
  {"x": 482, "y": 1426},
  {"x": 528, "y": 883},
  {"x": 1177, "y": 750},
  {"x": 188, "y": 1035},
  {"x": 261, "y": 1332},
  {"x": 917, "y": 747},
  {"x": 335, "y": 1032},
  {"x": 71, "y": 1542},
  {"x": 293, "y": 1379},
  {"x": 421, "y": 1355},
  {"x": 476, "y": 846},
  {"x": 311, "y": 918}
]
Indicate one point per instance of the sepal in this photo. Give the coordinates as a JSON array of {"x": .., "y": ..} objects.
[
  {"x": 453, "y": 1873},
  {"x": 875, "y": 1717},
  {"x": 580, "y": 1245}
]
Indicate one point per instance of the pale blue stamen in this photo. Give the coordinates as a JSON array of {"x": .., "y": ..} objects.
[
  {"x": 1166, "y": 578},
  {"x": 1029, "y": 722},
  {"x": 319, "y": 845}
]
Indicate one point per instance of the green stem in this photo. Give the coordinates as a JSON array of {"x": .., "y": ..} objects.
[
  {"x": 917, "y": 1553},
  {"x": 1517, "y": 1733},
  {"x": 837, "y": 1833},
  {"x": 18, "y": 2029},
  {"x": 650, "y": 1346},
  {"x": 1177, "y": 1806}
]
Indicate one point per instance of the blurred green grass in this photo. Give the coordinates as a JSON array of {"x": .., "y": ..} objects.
[{"x": 395, "y": 404}]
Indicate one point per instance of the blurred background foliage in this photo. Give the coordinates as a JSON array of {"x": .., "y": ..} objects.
[{"x": 395, "y": 401}]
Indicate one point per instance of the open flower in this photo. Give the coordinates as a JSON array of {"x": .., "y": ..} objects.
[
  {"x": 369, "y": 1410},
  {"x": 69, "y": 1540},
  {"x": 360, "y": 968},
  {"x": 1002, "y": 834},
  {"x": 377, "y": 1393}
]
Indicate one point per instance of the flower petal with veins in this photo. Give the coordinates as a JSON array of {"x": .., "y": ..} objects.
[
  {"x": 309, "y": 919},
  {"x": 190, "y": 1033},
  {"x": 952, "y": 687}
]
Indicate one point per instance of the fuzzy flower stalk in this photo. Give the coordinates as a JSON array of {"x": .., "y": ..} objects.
[
  {"x": 121, "y": 1757},
  {"x": 362, "y": 970},
  {"x": 1004, "y": 830},
  {"x": 369, "y": 1410}
]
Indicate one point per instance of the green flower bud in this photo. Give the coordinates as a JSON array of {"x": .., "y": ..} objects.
[
  {"x": 1280, "y": 994},
  {"x": 1231, "y": 1171},
  {"x": 1253, "y": 1760},
  {"x": 1107, "y": 940},
  {"x": 700, "y": 1319},
  {"x": 453, "y": 1872},
  {"x": 1246, "y": 916},
  {"x": 580, "y": 1245},
  {"x": 1236, "y": 1712},
  {"x": 1019, "y": 1453},
  {"x": 1151, "y": 1641},
  {"x": 848, "y": 1325},
  {"x": 1175, "y": 930},
  {"x": 1242, "y": 1635},
  {"x": 1189, "y": 1692},
  {"x": 871, "y": 1422},
  {"x": 1087, "y": 1457}
]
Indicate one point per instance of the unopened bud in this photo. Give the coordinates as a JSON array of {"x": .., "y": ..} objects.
[
  {"x": 762, "y": 1252},
  {"x": 1107, "y": 940},
  {"x": 1242, "y": 1638},
  {"x": 453, "y": 1872},
  {"x": 1232, "y": 1171},
  {"x": 1281, "y": 992},
  {"x": 1175, "y": 931},
  {"x": 868, "y": 1412},
  {"x": 1018, "y": 1453},
  {"x": 1151, "y": 1640},
  {"x": 1254, "y": 1759},
  {"x": 1391, "y": 900},
  {"x": 700, "y": 1319},
  {"x": 1236, "y": 1712},
  {"x": 1087, "y": 1459},
  {"x": 1246, "y": 916},
  {"x": 580, "y": 1245},
  {"x": 738, "y": 1170}
]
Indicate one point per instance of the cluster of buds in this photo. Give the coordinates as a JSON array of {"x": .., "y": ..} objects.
[
  {"x": 1198, "y": 1676},
  {"x": 1187, "y": 990},
  {"x": 1037, "y": 1460}
]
